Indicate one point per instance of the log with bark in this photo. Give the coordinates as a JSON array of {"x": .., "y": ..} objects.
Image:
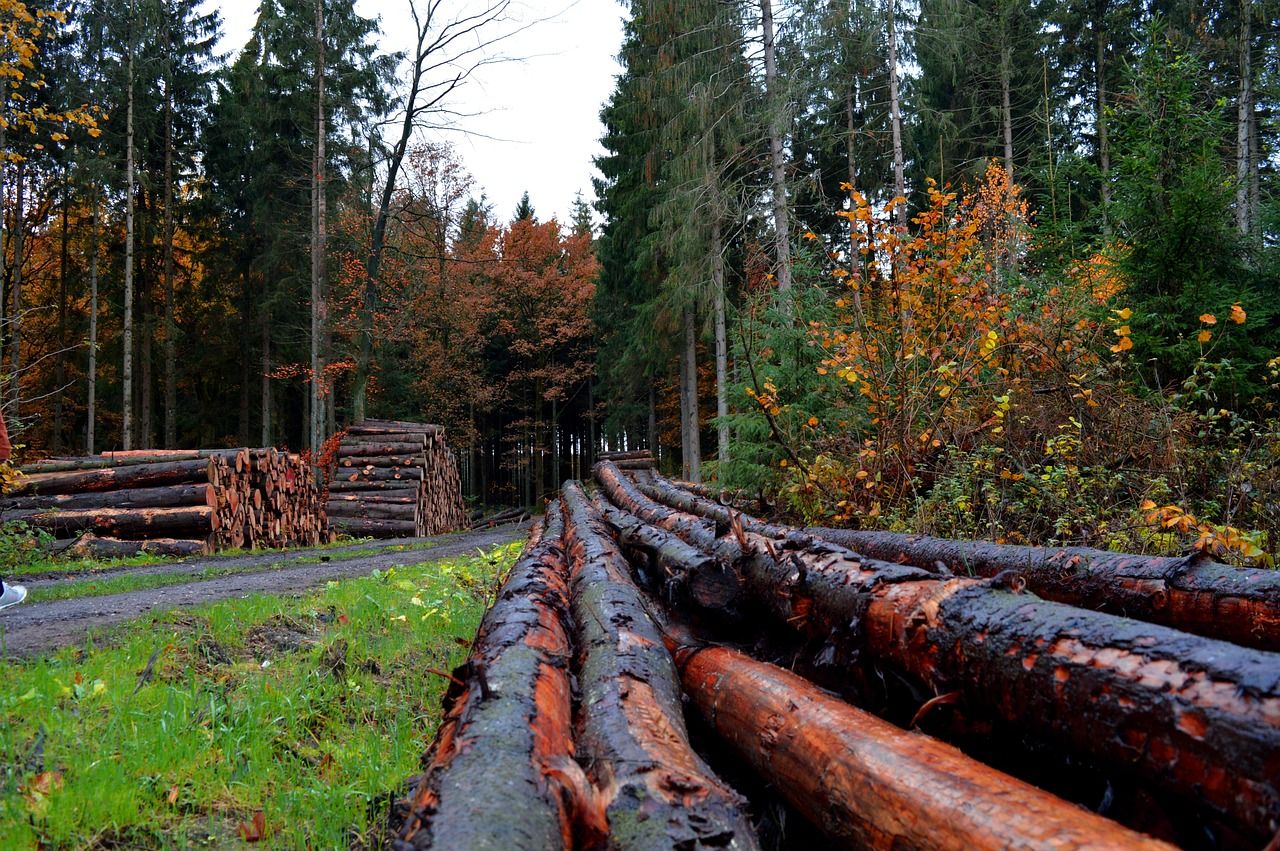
[
  {"x": 1190, "y": 593},
  {"x": 1197, "y": 717},
  {"x": 631, "y": 730},
  {"x": 165, "y": 496},
  {"x": 869, "y": 784},
  {"x": 93, "y": 546},
  {"x": 499, "y": 773}
]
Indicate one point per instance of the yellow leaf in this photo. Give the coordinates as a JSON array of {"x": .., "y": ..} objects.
[
  {"x": 1124, "y": 314},
  {"x": 1147, "y": 505},
  {"x": 1123, "y": 331},
  {"x": 1205, "y": 335}
]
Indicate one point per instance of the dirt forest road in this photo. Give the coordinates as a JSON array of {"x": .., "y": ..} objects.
[{"x": 28, "y": 630}]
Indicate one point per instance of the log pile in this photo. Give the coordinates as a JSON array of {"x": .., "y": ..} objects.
[
  {"x": 172, "y": 502},
  {"x": 395, "y": 479},
  {"x": 888, "y": 697}
]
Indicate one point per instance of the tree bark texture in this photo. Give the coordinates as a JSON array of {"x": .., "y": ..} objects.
[{"x": 630, "y": 727}]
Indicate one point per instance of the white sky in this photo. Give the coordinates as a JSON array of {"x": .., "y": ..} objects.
[{"x": 541, "y": 114}]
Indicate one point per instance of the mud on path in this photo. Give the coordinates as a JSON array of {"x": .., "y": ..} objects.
[{"x": 28, "y": 630}]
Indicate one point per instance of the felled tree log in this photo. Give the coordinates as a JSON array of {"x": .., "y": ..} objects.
[
  {"x": 116, "y": 478},
  {"x": 98, "y": 547},
  {"x": 379, "y": 474},
  {"x": 187, "y": 521},
  {"x": 624, "y": 456},
  {"x": 168, "y": 496},
  {"x": 686, "y": 573},
  {"x": 127, "y": 459},
  {"x": 869, "y": 784},
  {"x": 491, "y": 776},
  {"x": 1235, "y": 604},
  {"x": 405, "y": 497},
  {"x": 626, "y": 494},
  {"x": 373, "y": 510},
  {"x": 366, "y": 527},
  {"x": 1198, "y": 717},
  {"x": 409, "y": 486},
  {"x": 405, "y": 459},
  {"x": 631, "y": 729}
]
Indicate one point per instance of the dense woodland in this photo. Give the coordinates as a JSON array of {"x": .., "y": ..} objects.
[{"x": 981, "y": 268}]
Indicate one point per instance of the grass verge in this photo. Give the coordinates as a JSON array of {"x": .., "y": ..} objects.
[{"x": 306, "y": 710}]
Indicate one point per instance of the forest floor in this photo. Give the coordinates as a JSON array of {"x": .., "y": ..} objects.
[
  {"x": 286, "y": 703},
  {"x": 66, "y": 607}
]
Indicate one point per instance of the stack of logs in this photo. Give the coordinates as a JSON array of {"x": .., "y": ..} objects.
[
  {"x": 395, "y": 479},
  {"x": 893, "y": 691},
  {"x": 171, "y": 502}
]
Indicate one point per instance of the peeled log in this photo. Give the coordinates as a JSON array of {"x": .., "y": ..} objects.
[
  {"x": 168, "y": 496},
  {"x": 188, "y": 521},
  {"x": 1236, "y": 604},
  {"x": 116, "y": 478},
  {"x": 1198, "y": 717},
  {"x": 97, "y": 547},
  {"x": 492, "y": 774},
  {"x": 364, "y": 527},
  {"x": 631, "y": 728},
  {"x": 869, "y": 784}
]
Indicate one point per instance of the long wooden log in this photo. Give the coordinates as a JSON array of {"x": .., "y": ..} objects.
[
  {"x": 101, "y": 547},
  {"x": 388, "y": 486},
  {"x": 125, "y": 459},
  {"x": 168, "y": 496},
  {"x": 407, "y": 459},
  {"x": 491, "y": 778},
  {"x": 379, "y": 474},
  {"x": 377, "y": 511},
  {"x": 372, "y": 446},
  {"x": 683, "y": 571},
  {"x": 1235, "y": 604},
  {"x": 631, "y": 728},
  {"x": 116, "y": 478},
  {"x": 1197, "y": 717},
  {"x": 869, "y": 784},
  {"x": 187, "y": 521},
  {"x": 624, "y": 493},
  {"x": 365, "y": 527},
  {"x": 404, "y": 496}
]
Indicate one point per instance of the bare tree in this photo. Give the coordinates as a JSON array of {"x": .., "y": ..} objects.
[{"x": 450, "y": 46}]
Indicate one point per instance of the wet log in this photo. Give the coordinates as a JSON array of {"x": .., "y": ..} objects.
[
  {"x": 170, "y": 496},
  {"x": 493, "y": 774},
  {"x": 1194, "y": 594},
  {"x": 116, "y": 478},
  {"x": 625, "y": 494},
  {"x": 188, "y": 521},
  {"x": 1197, "y": 717},
  {"x": 375, "y": 510},
  {"x": 93, "y": 546},
  {"x": 624, "y": 456},
  {"x": 368, "y": 528},
  {"x": 683, "y": 572},
  {"x": 631, "y": 727},
  {"x": 869, "y": 784}
]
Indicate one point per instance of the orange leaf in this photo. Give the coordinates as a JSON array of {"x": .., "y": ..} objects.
[
  {"x": 1237, "y": 314},
  {"x": 1208, "y": 319},
  {"x": 1204, "y": 336}
]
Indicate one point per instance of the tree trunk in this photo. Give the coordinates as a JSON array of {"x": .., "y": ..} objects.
[
  {"x": 170, "y": 326},
  {"x": 266, "y": 375},
  {"x": 149, "y": 475},
  {"x": 653, "y": 421},
  {"x": 689, "y": 401},
  {"x": 1244, "y": 125},
  {"x": 508, "y": 715},
  {"x": 633, "y": 734},
  {"x": 15, "y": 326},
  {"x": 1006, "y": 112},
  {"x": 1215, "y": 600},
  {"x": 895, "y": 115},
  {"x": 1100, "y": 110},
  {"x": 165, "y": 496},
  {"x": 315, "y": 432},
  {"x": 722, "y": 344},
  {"x": 60, "y": 366},
  {"x": 91, "y": 403},
  {"x": 777, "y": 162},
  {"x": 126, "y": 438}
]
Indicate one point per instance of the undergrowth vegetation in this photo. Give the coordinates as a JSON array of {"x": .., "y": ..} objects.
[
  {"x": 285, "y": 720},
  {"x": 940, "y": 381}
]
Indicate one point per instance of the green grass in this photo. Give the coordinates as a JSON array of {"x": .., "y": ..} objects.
[{"x": 336, "y": 719}]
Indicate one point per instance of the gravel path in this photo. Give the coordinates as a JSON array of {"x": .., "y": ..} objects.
[{"x": 28, "y": 630}]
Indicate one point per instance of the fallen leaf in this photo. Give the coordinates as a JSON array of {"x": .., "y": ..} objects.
[{"x": 254, "y": 831}]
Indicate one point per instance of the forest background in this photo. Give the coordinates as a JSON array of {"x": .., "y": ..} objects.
[{"x": 972, "y": 267}]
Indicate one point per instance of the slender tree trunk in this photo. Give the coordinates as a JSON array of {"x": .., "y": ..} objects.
[
  {"x": 126, "y": 437},
  {"x": 60, "y": 367},
  {"x": 266, "y": 376},
  {"x": 315, "y": 434},
  {"x": 895, "y": 115},
  {"x": 15, "y": 327},
  {"x": 1100, "y": 111},
  {"x": 170, "y": 326},
  {"x": 722, "y": 344},
  {"x": 91, "y": 403},
  {"x": 689, "y": 407},
  {"x": 1006, "y": 112},
  {"x": 1255, "y": 177},
  {"x": 781, "y": 214},
  {"x": 653, "y": 421},
  {"x": 146, "y": 304},
  {"x": 1244, "y": 110}
]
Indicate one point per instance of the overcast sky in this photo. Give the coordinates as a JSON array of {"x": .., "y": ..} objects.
[{"x": 541, "y": 114}]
